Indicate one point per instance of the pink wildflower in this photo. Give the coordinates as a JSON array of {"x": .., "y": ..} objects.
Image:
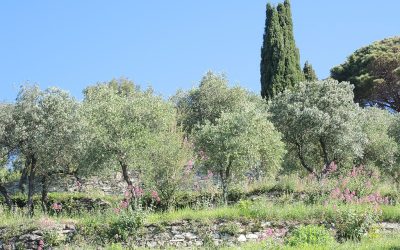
[
  {"x": 40, "y": 245},
  {"x": 155, "y": 196},
  {"x": 138, "y": 191},
  {"x": 209, "y": 174},
  {"x": 57, "y": 207},
  {"x": 124, "y": 204}
]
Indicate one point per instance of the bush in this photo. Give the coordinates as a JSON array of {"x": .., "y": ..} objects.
[
  {"x": 125, "y": 225},
  {"x": 352, "y": 224},
  {"x": 230, "y": 228},
  {"x": 310, "y": 235}
]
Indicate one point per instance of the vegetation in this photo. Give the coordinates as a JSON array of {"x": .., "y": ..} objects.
[
  {"x": 374, "y": 70},
  {"x": 319, "y": 124},
  {"x": 309, "y": 73},
  {"x": 212, "y": 167},
  {"x": 280, "y": 59}
]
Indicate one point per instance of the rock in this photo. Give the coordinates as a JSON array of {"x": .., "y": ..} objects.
[
  {"x": 216, "y": 236},
  {"x": 252, "y": 236},
  {"x": 198, "y": 243},
  {"x": 30, "y": 237},
  {"x": 69, "y": 227},
  {"x": 176, "y": 240},
  {"x": 151, "y": 244},
  {"x": 390, "y": 226},
  {"x": 266, "y": 224},
  {"x": 178, "y": 237},
  {"x": 38, "y": 232},
  {"x": 241, "y": 238},
  {"x": 189, "y": 236}
]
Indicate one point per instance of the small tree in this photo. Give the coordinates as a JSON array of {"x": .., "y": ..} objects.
[
  {"x": 319, "y": 123},
  {"x": 236, "y": 142},
  {"x": 42, "y": 132},
  {"x": 121, "y": 124},
  {"x": 309, "y": 73},
  {"x": 381, "y": 148},
  {"x": 6, "y": 148},
  {"x": 208, "y": 101},
  {"x": 168, "y": 167}
]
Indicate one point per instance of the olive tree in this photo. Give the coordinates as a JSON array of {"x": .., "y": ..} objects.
[
  {"x": 166, "y": 172},
  {"x": 44, "y": 132},
  {"x": 6, "y": 148},
  {"x": 381, "y": 148},
  {"x": 319, "y": 123},
  {"x": 236, "y": 142},
  {"x": 120, "y": 125},
  {"x": 208, "y": 101}
]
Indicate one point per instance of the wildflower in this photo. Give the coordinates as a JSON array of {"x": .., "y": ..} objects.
[
  {"x": 138, "y": 191},
  {"x": 40, "y": 245},
  {"x": 124, "y": 204},
  {"x": 332, "y": 167},
  {"x": 335, "y": 193},
  {"x": 188, "y": 169},
  {"x": 155, "y": 196},
  {"x": 209, "y": 174},
  {"x": 127, "y": 194},
  {"x": 269, "y": 232},
  {"x": 117, "y": 210},
  {"x": 57, "y": 207}
]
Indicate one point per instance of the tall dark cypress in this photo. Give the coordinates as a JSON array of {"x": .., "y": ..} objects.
[
  {"x": 309, "y": 72},
  {"x": 280, "y": 59}
]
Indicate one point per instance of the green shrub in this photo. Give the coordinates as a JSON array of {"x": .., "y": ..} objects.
[
  {"x": 287, "y": 183},
  {"x": 310, "y": 235},
  {"x": 353, "y": 224},
  {"x": 125, "y": 225},
  {"x": 53, "y": 238},
  {"x": 230, "y": 228}
]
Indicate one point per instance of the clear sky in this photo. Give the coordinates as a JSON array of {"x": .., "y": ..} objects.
[{"x": 171, "y": 44}]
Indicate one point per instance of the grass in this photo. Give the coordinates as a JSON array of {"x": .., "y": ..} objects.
[
  {"x": 298, "y": 212},
  {"x": 382, "y": 242}
]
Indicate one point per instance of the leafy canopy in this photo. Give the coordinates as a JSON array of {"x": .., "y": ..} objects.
[
  {"x": 319, "y": 124},
  {"x": 374, "y": 70}
]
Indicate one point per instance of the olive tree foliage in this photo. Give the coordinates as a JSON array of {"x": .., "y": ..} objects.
[
  {"x": 319, "y": 124},
  {"x": 381, "y": 149},
  {"x": 394, "y": 133},
  {"x": 44, "y": 132},
  {"x": 166, "y": 171},
  {"x": 236, "y": 142},
  {"x": 121, "y": 125},
  {"x": 208, "y": 101},
  {"x": 6, "y": 149}
]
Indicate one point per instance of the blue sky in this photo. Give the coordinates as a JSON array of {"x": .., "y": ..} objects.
[{"x": 171, "y": 44}]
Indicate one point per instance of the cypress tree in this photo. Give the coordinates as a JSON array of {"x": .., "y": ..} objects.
[
  {"x": 309, "y": 73},
  {"x": 280, "y": 59}
]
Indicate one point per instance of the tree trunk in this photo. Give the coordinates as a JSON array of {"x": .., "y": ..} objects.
[
  {"x": 24, "y": 175},
  {"x": 31, "y": 185},
  {"x": 225, "y": 192},
  {"x": 224, "y": 184},
  {"x": 6, "y": 196},
  {"x": 125, "y": 174},
  {"x": 302, "y": 160},
  {"x": 45, "y": 191}
]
